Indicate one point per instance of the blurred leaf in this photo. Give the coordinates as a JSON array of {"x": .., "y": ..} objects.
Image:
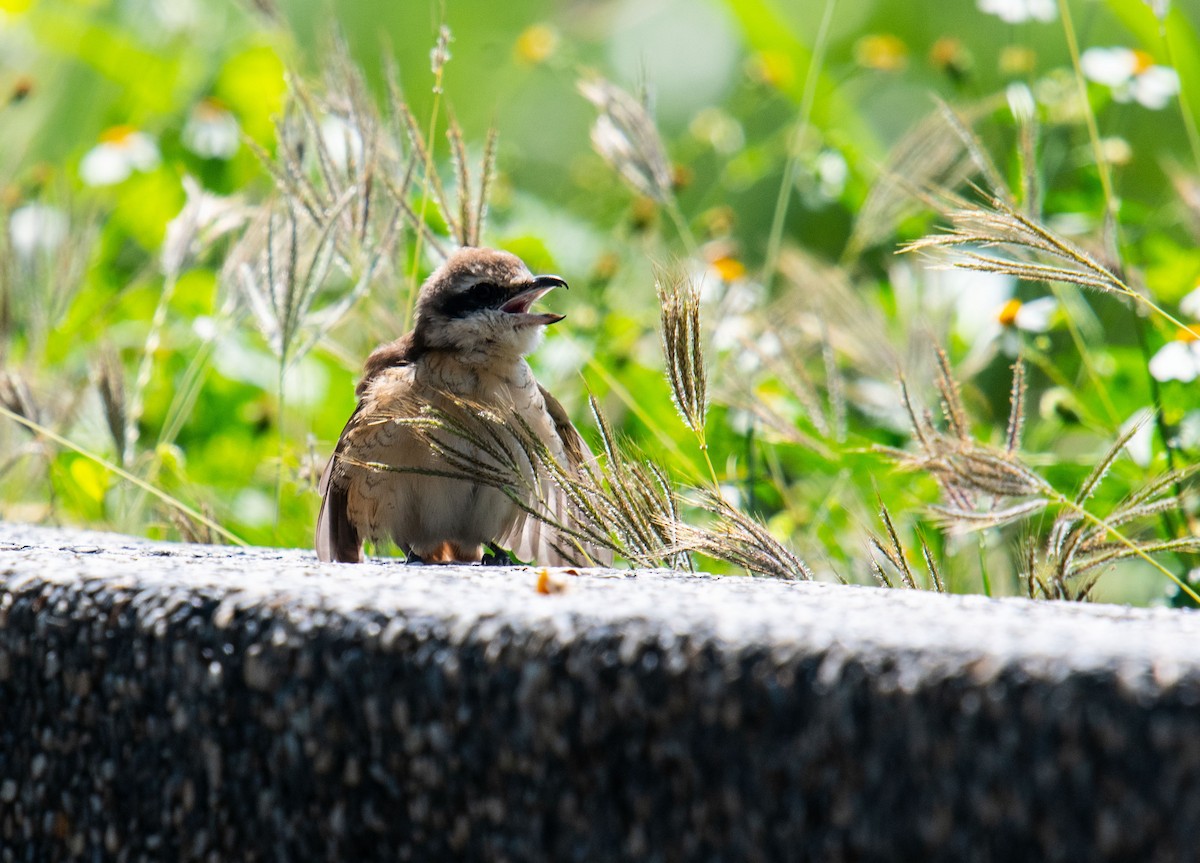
[
  {"x": 768, "y": 33},
  {"x": 90, "y": 479},
  {"x": 145, "y": 203},
  {"x": 148, "y": 78},
  {"x": 251, "y": 84}
]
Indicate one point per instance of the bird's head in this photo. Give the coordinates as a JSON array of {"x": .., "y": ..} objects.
[{"x": 477, "y": 303}]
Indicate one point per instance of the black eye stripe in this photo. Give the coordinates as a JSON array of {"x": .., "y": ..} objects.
[{"x": 484, "y": 295}]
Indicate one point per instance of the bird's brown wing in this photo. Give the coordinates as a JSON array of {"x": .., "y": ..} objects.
[
  {"x": 338, "y": 538},
  {"x": 535, "y": 539}
]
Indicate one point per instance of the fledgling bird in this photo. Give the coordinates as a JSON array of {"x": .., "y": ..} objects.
[{"x": 472, "y": 331}]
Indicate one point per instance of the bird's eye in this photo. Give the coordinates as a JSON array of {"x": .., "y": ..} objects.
[{"x": 482, "y": 295}]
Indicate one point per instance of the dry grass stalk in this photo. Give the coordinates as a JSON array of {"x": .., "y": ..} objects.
[
  {"x": 822, "y": 306},
  {"x": 1034, "y": 252},
  {"x": 893, "y": 552},
  {"x": 327, "y": 147},
  {"x": 342, "y": 186},
  {"x": 192, "y": 529},
  {"x": 465, "y": 216},
  {"x": 935, "y": 154},
  {"x": 17, "y": 396},
  {"x": 824, "y": 332},
  {"x": 203, "y": 221},
  {"x": 974, "y": 477},
  {"x": 1028, "y": 135},
  {"x": 626, "y": 138},
  {"x": 281, "y": 290},
  {"x": 679, "y": 307},
  {"x": 423, "y": 155},
  {"x": 1080, "y": 545},
  {"x": 741, "y": 540},
  {"x": 109, "y": 378},
  {"x": 38, "y": 285},
  {"x": 1079, "y": 549},
  {"x": 467, "y": 226},
  {"x": 986, "y": 487},
  {"x": 1016, "y": 410},
  {"x": 623, "y": 504}
]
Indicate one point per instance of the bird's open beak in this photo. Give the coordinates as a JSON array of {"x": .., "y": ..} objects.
[{"x": 538, "y": 288}]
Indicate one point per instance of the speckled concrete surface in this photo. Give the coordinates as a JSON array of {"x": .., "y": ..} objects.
[{"x": 169, "y": 702}]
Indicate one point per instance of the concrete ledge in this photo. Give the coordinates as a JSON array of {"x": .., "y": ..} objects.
[{"x": 173, "y": 702}]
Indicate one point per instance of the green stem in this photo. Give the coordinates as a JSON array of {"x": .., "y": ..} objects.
[
  {"x": 146, "y": 367},
  {"x": 1085, "y": 357},
  {"x": 172, "y": 502},
  {"x": 1102, "y": 166},
  {"x": 983, "y": 569},
  {"x": 1113, "y": 232},
  {"x": 619, "y": 390},
  {"x": 1160, "y": 426},
  {"x": 712, "y": 472},
  {"x": 1063, "y": 500},
  {"x": 681, "y": 225},
  {"x": 795, "y": 137},
  {"x": 1189, "y": 121},
  {"x": 428, "y": 168},
  {"x": 282, "y": 444}
]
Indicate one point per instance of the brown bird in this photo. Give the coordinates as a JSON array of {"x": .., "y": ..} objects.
[{"x": 472, "y": 331}]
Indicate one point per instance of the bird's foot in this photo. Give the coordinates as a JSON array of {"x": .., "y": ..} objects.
[{"x": 498, "y": 557}]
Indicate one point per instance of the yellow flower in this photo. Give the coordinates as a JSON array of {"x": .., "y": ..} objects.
[
  {"x": 773, "y": 68},
  {"x": 883, "y": 52},
  {"x": 729, "y": 268},
  {"x": 1017, "y": 60},
  {"x": 536, "y": 44},
  {"x": 951, "y": 56}
]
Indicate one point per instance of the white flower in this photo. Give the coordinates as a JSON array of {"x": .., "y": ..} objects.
[
  {"x": 1021, "y": 101},
  {"x": 211, "y": 132},
  {"x": 1156, "y": 87},
  {"x": 205, "y": 328},
  {"x": 986, "y": 315},
  {"x": 1131, "y": 75},
  {"x": 731, "y": 331},
  {"x": 37, "y": 229},
  {"x": 832, "y": 173},
  {"x": 1020, "y": 11},
  {"x": 1112, "y": 67},
  {"x": 1187, "y": 433},
  {"x": 1116, "y": 150},
  {"x": 1176, "y": 361},
  {"x": 254, "y": 507},
  {"x": 121, "y": 151},
  {"x": 1141, "y": 446},
  {"x": 203, "y": 220},
  {"x": 1035, "y": 316},
  {"x": 719, "y": 129},
  {"x": 342, "y": 142},
  {"x": 176, "y": 16},
  {"x": 1190, "y": 305}
]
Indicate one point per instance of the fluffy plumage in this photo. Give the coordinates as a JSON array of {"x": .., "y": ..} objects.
[{"x": 472, "y": 330}]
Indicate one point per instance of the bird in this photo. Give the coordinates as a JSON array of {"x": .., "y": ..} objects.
[{"x": 466, "y": 352}]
